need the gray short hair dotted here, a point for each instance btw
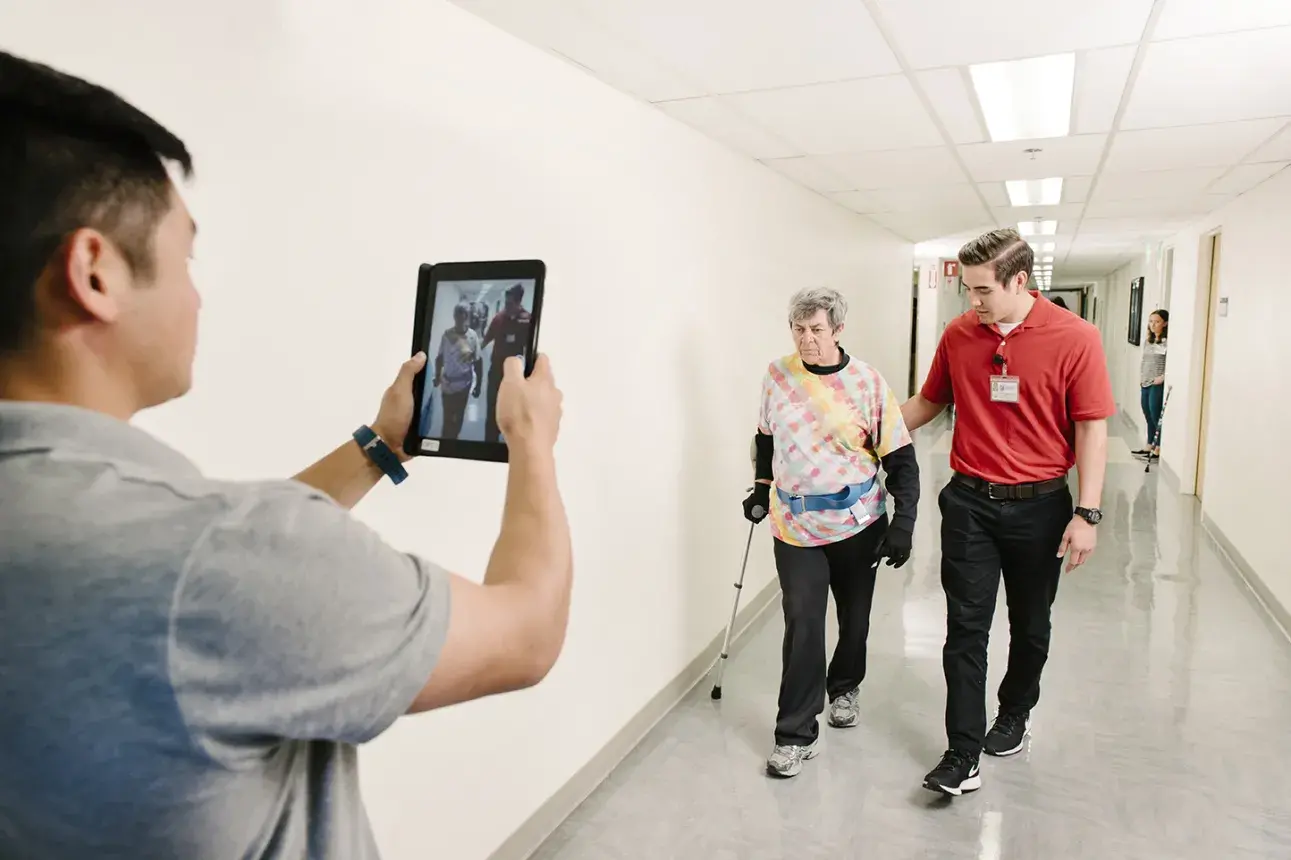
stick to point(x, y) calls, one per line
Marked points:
point(805, 303)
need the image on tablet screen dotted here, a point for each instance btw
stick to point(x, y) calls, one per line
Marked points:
point(474, 326)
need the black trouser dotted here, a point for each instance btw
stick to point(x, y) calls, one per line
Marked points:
point(491, 432)
point(807, 574)
point(980, 539)
point(454, 412)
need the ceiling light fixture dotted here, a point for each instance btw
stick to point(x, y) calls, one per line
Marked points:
point(1035, 192)
point(1038, 227)
point(1026, 99)
point(1046, 260)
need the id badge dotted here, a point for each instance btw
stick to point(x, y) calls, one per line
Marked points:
point(1004, 389)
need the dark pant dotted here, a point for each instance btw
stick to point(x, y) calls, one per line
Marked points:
point(1153, 400)
point(807, 574)
point(491, 432)
point(454, 412)
point(980, 539)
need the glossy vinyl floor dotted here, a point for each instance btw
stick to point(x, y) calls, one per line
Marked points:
point(1163, 730)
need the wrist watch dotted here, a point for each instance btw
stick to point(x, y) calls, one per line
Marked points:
point(379, 452)
point(1093, 516)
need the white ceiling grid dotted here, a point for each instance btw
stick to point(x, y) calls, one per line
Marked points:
point(1179, 105)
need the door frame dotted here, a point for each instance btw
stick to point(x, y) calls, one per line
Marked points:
point(1208, 276)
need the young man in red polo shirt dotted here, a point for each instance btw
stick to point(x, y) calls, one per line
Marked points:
point(1032, 397)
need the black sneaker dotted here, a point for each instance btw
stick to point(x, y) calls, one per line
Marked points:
point(957, 773)
point(1008, 734)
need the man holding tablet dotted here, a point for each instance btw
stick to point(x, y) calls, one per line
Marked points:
point(189, 664)
point(827, 423)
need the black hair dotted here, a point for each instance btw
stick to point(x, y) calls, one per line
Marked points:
point(1165, 326)
point(1060, 302)
point(73, 155)
point(516, 292)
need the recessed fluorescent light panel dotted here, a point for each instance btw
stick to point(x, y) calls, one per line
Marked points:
point(1046, 260)
point(1037, 192)
point(1038, 228)
point(1026, 99)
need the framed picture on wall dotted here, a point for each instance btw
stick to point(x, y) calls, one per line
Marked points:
point(1136, 311)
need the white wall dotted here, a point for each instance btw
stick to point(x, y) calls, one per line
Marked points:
point(1248, 467)
point(339, 145)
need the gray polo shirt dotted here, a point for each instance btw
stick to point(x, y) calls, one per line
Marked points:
point(187, 665)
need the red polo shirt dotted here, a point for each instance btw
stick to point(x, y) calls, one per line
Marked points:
point(1062, 375)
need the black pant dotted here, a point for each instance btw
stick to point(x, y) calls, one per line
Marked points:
point(980, 539)
point(454, 412)
point(807, 574)
point(491, 432)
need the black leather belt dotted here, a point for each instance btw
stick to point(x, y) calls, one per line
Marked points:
point(1010, 492)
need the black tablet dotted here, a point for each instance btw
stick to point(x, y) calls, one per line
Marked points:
point(470, 318)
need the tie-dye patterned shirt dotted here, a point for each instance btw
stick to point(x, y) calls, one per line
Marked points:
point(830, 431)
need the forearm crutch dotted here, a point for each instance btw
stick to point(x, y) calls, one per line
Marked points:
point(735, 608)
point(1156, 437)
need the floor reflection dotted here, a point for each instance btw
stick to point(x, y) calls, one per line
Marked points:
point(1161, 732)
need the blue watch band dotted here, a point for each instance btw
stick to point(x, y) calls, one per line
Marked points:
point(379, 452)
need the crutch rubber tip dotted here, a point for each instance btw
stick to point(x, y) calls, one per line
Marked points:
point(717, 692)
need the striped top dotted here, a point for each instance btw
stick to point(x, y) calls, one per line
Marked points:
point(1153, 363)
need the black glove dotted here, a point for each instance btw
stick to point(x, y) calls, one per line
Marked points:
point(758, 503)
point(896, 545)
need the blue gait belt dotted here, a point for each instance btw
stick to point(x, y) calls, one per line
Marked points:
point(839, 501)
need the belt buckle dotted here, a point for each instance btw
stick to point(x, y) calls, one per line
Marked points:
point(990, 492)
point(796, 504)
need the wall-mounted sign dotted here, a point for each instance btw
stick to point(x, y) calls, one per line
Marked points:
point(950, 268)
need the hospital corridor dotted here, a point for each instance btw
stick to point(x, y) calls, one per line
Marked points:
point(1161, 732)
point(645, 430)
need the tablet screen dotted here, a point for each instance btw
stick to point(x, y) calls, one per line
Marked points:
point(474, 326)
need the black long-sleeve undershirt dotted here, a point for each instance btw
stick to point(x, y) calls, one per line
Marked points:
point(902, 483)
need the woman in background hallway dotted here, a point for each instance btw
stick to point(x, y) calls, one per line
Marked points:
point(1152, 381)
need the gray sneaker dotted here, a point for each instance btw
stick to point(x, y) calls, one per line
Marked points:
point(845, 710)
point(786, 760)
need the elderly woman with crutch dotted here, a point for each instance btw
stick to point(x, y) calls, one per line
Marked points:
point(828, 422)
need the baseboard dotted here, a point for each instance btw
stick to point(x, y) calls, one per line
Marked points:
point(1171, 478)
point(530, 835)
point(1279, 613)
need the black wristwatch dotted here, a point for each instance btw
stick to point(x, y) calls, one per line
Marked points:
point(1093, 516)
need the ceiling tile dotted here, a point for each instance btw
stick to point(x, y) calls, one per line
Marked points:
point(1062, 156)
point(960, 199)
point(899, 168)
point(1277, 149)
point(1216, 79)
point(809, 171)
point(852, 116)
point(739, 45)
point(1218, 145)
point(1154, 183)
point(953, 99)
point(1063, 213)
point(996, 194)
point(921, 228)
point(1244, 177)
point(718, 120)
point(1076, 188)
point(1156, 207)
point(559, 26)
point(1124, 232)
point(1100, 82)
point(936, 33)
point(1183, 18)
